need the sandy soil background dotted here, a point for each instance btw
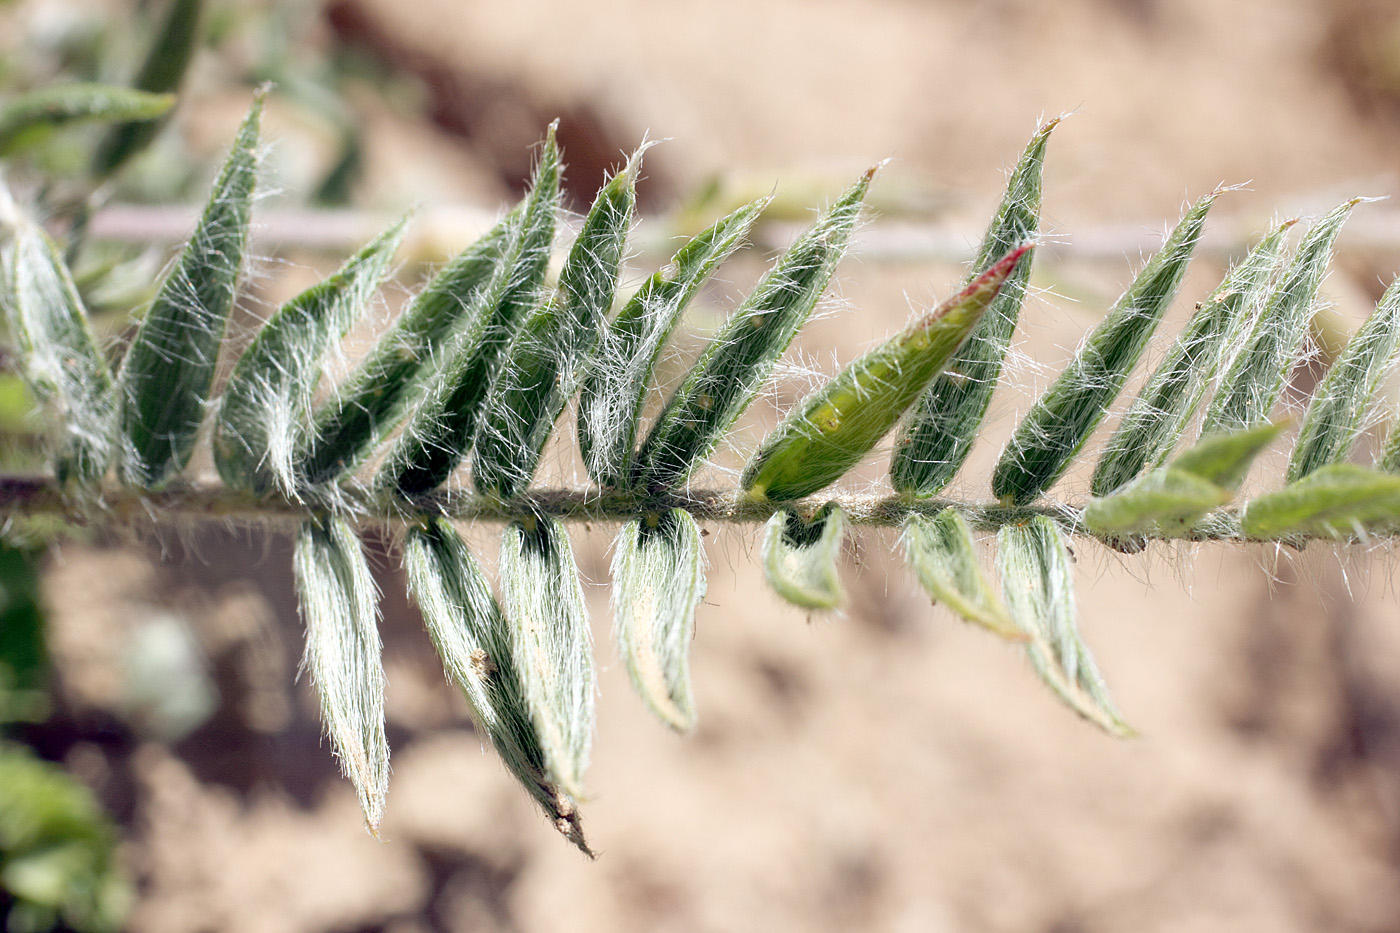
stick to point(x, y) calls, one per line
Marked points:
point(885, 768)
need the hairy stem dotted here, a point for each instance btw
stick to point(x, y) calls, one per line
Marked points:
point(123, 508)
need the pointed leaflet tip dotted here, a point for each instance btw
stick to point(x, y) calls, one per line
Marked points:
point(1225, 458)
point(1255, 378)
point(839, 423)
point(1333, 422)
point(442, 429)
point(449, 338)
point(1170, 397)
point(266, 403)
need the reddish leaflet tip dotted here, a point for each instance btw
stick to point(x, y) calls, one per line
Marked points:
point(994, 275)
point(991, 280)
point(1003, 266)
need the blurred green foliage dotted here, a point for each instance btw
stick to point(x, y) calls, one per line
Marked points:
point(57, 861)
point(58, 865)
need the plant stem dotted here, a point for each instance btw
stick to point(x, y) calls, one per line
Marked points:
point(26, 498)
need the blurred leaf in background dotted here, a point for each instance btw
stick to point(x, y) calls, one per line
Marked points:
point(58, 867)
point(57, 860)
point(23, 657)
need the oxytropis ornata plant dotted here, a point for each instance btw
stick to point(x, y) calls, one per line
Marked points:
point(485, 359)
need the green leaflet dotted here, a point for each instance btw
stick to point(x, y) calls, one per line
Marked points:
point(1058, 425)
point(29, 118)
point(1333, 421)
point(1159, 414)
point(800, 556)
point(1340, 500)
point(62, 866)
point(839, 423)
point(728, 374)
point(1038, 584)
point(610, 401)
point(374, 397)
point(941, 552)
point(443, 427)
point(475, 644)
point(658, 579)
point(1224, 459)
point(60, 360)
point(475, 304)
point(1164, 501)
point(25, 662)
point(552, 646)
point(1170, 500)
point(339, 606)
point(166, 376)
point(1255, 378)
point(267, 400)
point(161, 73)
point(550, 355)
point(939, 433)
